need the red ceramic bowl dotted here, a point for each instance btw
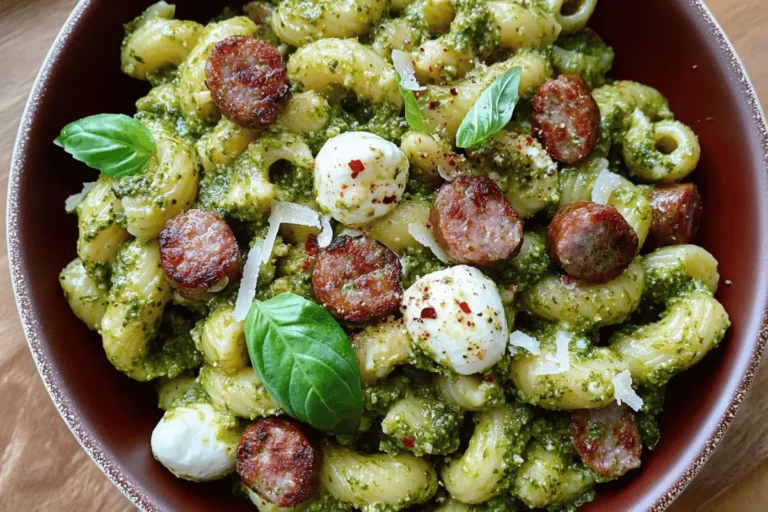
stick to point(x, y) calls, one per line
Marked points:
point(674, 45)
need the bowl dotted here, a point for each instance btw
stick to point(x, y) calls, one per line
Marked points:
point(673, 45)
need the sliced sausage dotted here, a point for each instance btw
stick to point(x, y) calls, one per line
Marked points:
point(676, 214)
point(358, 279)
point(591, 242)
point(248, 80)
point(474, 223)
point(199, 253)
point(607, 439)
point(279, 461)
point(566, 118)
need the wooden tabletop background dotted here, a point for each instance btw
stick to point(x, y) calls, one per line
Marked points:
point(43, 468)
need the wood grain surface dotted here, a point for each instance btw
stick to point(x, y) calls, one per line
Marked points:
point(43, 468)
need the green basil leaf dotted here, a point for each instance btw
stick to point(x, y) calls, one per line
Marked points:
point(492, 111)
point(305, 361)
point(115, 144)
point(413, 115)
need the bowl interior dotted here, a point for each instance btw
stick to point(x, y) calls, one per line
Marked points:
point(670, 45)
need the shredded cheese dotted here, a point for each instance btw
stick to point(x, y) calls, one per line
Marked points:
point(518, 339)
point(560, 362)
point(404, 67)
point(606, 184)
point(325, 237)
point(72, 201)
point(623, 392)
point(425, 237)
point(247, 291)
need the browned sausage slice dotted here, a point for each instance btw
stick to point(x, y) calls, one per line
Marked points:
point(199, 253)
point(474, 223)
point(591, 242)
point(676, 214)
point(566, 118)
point(358, 279)
point(607, 439)
point(248, 80)
point(279, 461)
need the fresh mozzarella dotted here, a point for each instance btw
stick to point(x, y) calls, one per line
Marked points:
point(196, 442)
point(359, 177)
point(456, 317)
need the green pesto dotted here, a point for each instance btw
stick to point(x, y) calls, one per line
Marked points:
point(583, 54)
point(172, 351)
point(436, 432)
point(619, 100)
point(418, 261)
point(324, 501)
point(525, 269)
point(662, 283)
point(647, 418)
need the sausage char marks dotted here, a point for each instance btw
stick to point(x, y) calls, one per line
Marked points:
point(474, 223)
point(248, 80)
point(591, 242)
point(199, 253)
point(676, 214)
point(358, 279)
point(279, 461)
point(607, 439)
point(566, 118)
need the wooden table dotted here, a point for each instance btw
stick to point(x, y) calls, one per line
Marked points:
point(41, 465)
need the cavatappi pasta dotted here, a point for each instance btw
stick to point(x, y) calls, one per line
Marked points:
point(497, 352)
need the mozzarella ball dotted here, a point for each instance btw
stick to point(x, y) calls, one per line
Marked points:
point(196, 442)
point(359, 177)
point(456, 317)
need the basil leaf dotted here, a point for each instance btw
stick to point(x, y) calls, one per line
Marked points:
point(305, 361)
point(492, 111)
point(115, 144)
point(413, 115)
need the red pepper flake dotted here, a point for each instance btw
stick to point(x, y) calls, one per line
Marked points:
point(488, 378)
point(445, 50)
point(311, 246)
point(529, 140)
point(465, 307)
point(430, 69)
point(432, 105)
point(428, 314)
point(454, 92)
point(408, 442)
point(567, 280)
point(357, 167)
point(389, 199)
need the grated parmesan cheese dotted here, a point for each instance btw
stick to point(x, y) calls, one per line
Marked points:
point(623, 392)
point(606, 184)
point(561, 361)
point(425, 237)
point(518, 339)
point(72, 201)
point(404, 66)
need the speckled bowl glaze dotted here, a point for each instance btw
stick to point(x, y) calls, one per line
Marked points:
point(674, 45)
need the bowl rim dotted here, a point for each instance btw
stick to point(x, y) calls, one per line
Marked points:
point(113, 469)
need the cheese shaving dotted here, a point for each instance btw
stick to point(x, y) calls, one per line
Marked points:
point(72, 201)
point(606, 184)
point(623, 392)
point(445, 174)
point(286, 213)
point(325, 237)
point(354, 233)
point(404, 67)
point(560, 362)
point(518, 339)
point(425, 237)
point(247, 291)
point(282, 213)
